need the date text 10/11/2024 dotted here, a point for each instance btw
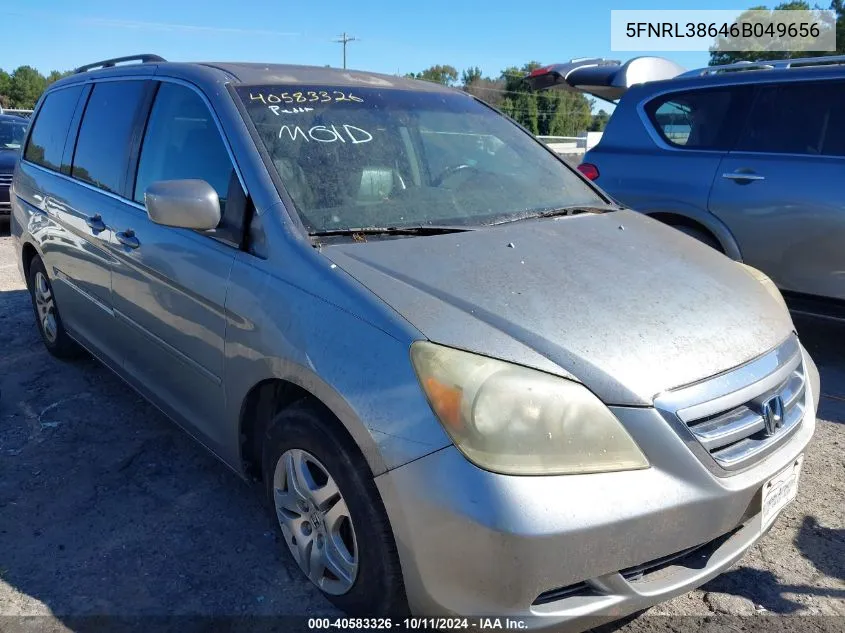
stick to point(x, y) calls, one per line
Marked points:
point(420, 623)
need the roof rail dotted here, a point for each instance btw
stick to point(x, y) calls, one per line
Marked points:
point(109, 63)
point(774, 64)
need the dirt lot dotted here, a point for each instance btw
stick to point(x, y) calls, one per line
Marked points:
point(106, 508)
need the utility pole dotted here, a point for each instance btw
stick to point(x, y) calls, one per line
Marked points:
point(345, 39)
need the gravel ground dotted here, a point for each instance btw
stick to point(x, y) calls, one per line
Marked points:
point(107, 508)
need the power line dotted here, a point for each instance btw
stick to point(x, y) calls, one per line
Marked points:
point(344, 40)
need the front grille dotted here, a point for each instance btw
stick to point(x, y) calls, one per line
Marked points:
point(739, 417)
point(5, 179)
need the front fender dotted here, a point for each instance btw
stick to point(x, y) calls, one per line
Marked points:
point(358, 371)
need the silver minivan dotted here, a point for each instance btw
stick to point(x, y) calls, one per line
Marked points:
point(470, 383)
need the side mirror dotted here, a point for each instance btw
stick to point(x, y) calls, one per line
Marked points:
point(187, 204)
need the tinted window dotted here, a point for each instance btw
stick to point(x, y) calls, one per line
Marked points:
point(798, 118)
point(49, 133)
point(376, 157)
point(102, 149)
point(182, 141)
point(700, 119)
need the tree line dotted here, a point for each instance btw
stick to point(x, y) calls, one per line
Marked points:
point(21, 88)
point(546, 112)
point(837, 6)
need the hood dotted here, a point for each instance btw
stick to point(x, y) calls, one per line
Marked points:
point(618, 301)
point(7, 160)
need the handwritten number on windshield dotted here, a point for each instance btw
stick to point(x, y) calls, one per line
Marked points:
point(323, 96)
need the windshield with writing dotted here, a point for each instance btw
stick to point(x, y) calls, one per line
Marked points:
point(371, 157)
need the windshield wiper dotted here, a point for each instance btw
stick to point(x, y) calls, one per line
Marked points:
point(392, 230)
point(558, 211)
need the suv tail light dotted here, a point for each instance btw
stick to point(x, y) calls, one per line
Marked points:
point(590, 171)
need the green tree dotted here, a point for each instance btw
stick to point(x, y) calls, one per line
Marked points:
point(599, 121)
point(839, 7)
point(470, 76)
point(526, 111)
point(25, 86)
point(55, 75)
point(752, 49)
point(442, 74)
point(5, 84)
point(572, 114)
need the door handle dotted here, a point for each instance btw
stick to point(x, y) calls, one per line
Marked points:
point(127, 238)
point(95, 222)
point(738, 175)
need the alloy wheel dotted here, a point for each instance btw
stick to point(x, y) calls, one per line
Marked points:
point(315, 521)
point(46, 307)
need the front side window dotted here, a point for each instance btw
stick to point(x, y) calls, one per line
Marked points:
point(372, 157)
point(105, 136)
point(182, 142)
point(49, 133)
point(797, 118)
point(12, 133)
point(700, 119)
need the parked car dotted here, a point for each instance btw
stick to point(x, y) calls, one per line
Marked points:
point(469, 382)
point(12, 132)
point(748, 158)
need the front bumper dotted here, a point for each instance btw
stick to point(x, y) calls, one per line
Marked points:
point(574, 551)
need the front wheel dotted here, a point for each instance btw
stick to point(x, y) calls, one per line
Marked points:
point(330, 513)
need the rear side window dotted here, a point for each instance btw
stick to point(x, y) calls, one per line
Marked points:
point(105, 137)
point(797, 118)
point(700, 119)
point(49, 132)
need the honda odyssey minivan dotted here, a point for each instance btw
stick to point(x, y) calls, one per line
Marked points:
point(470, 383)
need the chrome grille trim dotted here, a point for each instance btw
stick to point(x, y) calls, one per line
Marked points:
point(721, 418)
point(5, 179)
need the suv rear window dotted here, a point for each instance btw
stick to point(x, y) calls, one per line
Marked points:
point(797, 118)
point(49, 132)
point(700, 119)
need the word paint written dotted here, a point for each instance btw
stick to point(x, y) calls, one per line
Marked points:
point(326, 134)
point(309, 96)
point(279, 110)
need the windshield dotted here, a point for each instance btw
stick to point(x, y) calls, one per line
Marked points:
point(371, 157)
point(11, 133)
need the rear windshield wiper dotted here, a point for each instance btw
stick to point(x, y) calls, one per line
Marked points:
point(391, 230)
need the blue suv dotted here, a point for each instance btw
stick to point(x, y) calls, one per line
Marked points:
point(748, 158)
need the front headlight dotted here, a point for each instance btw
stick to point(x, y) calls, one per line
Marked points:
point(514, 420)
point(768, 284)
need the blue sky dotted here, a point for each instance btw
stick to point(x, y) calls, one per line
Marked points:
point(395, 35)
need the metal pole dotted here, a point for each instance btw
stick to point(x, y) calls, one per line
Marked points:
point(344, 40)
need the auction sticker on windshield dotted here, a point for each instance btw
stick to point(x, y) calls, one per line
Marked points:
point(779, 491)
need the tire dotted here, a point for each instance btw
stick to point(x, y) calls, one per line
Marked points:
point(701, 236)
point(301, 436)
point(47, 318)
